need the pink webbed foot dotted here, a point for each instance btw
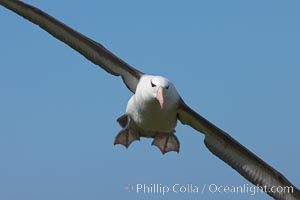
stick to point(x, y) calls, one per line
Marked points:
point(127, 135)
point(166, 142)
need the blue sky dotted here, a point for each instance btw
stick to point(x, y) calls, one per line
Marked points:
point(235, 62)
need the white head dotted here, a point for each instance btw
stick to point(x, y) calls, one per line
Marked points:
point(157, 89)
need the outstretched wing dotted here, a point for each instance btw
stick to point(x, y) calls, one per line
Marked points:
point(238, 157)
point(92, 50)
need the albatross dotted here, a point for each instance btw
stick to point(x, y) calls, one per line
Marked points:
point(155, 107)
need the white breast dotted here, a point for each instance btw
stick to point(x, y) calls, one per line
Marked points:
point(149, 117)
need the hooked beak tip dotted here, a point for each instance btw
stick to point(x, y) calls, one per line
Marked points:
point(161, 105)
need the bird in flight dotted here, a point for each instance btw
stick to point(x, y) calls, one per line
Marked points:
point(156, 106)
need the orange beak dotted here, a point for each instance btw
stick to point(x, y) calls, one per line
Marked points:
point(160, 97)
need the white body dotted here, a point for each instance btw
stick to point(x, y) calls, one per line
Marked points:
point(144, 109)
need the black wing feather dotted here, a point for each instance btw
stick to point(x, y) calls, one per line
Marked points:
point(237, 156)
point(90, 49)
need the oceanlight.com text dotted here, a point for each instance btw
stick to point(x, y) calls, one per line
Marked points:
point(164, 189)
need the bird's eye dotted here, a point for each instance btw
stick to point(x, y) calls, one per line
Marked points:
point(167, 87)
point(152, 84)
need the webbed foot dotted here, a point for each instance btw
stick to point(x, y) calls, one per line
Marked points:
point(127, 135)
point(166, 142)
